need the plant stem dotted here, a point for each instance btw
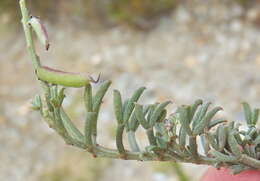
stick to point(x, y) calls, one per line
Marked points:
point(28, 35)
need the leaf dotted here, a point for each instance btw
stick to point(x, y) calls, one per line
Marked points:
point(195, 106)
point(140, 116)
point(216, 122)
point(255, 116)
point(157, 112)
point(234, 146)
point(199, 115)
point(36, 103)
point(90, 119)
point(119, 138)
point(222, 137)
point(204, 123)
point(130, 105)
point(182, 137)
point(184, 120)
point(99, 95)
point(248, 112)
point(70, 127)
point(118, 108)
point(132, 141)
point(222, 157)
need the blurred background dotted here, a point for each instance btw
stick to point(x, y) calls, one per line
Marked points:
point(180, 50)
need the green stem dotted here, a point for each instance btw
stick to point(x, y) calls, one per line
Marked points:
point(28, 35)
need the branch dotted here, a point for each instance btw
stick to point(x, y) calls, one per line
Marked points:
point(171, 137)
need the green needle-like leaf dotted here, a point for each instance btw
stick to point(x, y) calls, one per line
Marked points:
point(118, 108)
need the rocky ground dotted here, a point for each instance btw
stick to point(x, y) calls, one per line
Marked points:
point(208, 51)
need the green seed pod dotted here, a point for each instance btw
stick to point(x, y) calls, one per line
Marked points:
point(58, 77)
point(40, 31)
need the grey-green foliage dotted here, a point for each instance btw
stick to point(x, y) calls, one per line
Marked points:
point(171, 137)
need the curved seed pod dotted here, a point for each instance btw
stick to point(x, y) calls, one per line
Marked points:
point(88, 99)
point(222, 157)
point(255, 116)
point(58, 77)
point(40, 31)
point(140, 116)
point(119, 139)
point(184, 119)
point(216, 122)
point(118, 108)
point(130, 105)
point(248, 112)
point(70, 127)
point(204, 123)
point(157, 112)
point(234, 146)
point(222, 137)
